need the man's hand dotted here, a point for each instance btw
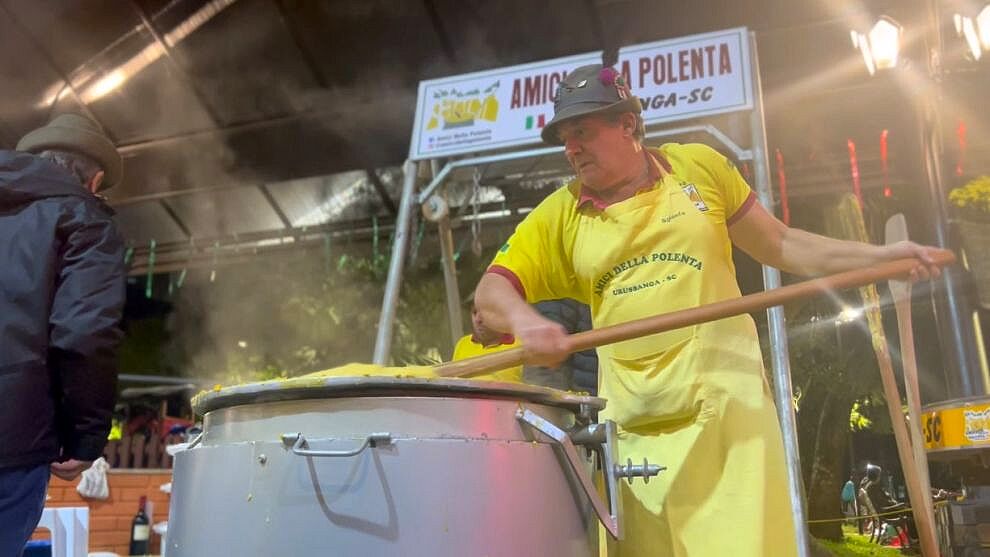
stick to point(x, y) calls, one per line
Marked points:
point(926, 269)
point(501, 307)
point(70, 469)
point(544, 342)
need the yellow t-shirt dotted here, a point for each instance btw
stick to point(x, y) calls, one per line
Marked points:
point(664, 249)
point(547, 260)
point(467, 348)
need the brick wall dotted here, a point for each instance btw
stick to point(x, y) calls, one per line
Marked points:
point(110, 520)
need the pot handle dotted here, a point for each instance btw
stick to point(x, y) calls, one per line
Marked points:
point(296, 442)
point(604, 436)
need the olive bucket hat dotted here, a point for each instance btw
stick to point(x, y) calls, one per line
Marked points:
point(593, 89)
point(77, 134)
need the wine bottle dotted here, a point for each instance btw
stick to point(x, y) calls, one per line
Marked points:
point(140, 530)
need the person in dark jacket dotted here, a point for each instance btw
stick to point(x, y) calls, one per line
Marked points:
point(579, 372)
point(885, 504)
point(62, 285)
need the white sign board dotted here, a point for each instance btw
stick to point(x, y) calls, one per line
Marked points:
point(688, 77)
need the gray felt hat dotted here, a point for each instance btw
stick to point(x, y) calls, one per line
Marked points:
point(77, 134)
point(593, 89)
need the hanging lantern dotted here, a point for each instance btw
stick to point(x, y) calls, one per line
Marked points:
point(883, 164)
point(149, 282)
point(880, 46)
point(961, 136)
point(975, 31)
point(854, 169)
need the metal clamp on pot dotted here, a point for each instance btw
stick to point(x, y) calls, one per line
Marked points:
point(601, 438)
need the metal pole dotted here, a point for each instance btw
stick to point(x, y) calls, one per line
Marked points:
point(383, 341)
point(964, 373)
point(450, 280)
point(779, 356)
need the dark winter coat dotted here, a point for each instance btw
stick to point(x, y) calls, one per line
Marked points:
point(580, 371)
point(62, 285)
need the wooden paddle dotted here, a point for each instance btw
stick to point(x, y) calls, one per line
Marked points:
point(896, 231)
point(675, 320)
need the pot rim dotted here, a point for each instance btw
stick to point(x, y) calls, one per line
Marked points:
point(301, 388)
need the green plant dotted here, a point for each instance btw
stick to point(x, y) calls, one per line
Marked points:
point(854, 544)
point(972, 201)
point(857, 420)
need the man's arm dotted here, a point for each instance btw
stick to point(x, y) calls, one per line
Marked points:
point(773, 243)
point(502, 308)
point(85, 333)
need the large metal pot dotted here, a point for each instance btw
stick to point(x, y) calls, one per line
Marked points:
point(394, 466)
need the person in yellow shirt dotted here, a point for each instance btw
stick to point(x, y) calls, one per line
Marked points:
point(487, 341)
point(646, 231)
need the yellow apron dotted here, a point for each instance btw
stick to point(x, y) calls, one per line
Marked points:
point(694, 400)
point(466, 348)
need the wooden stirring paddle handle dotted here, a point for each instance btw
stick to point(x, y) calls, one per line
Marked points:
point(594, 338)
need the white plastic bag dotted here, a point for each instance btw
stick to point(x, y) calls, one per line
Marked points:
point(94, 481)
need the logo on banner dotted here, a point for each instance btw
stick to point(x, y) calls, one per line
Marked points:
point(454, 109)
point(691, 191)
point(977, 425)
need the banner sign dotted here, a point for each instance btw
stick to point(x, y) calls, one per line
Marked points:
point(677, 79)
point(960, 427)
